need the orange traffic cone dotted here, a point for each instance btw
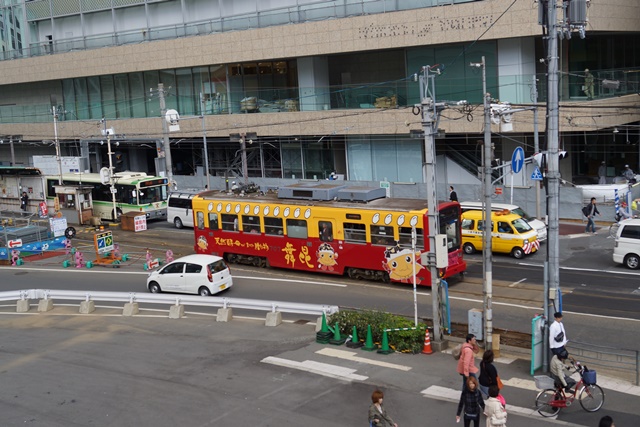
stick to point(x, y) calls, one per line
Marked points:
point(426, 349)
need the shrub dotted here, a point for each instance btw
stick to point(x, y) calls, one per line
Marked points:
point(410, 341)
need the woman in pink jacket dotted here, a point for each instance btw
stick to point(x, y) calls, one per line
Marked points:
point(466, 363)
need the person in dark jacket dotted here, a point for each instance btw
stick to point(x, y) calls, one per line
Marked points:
point(24, 201)
point(592, 211)
point(488, 372)
point(471, 401)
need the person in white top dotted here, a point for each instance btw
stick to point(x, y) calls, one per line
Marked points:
point(557, 335)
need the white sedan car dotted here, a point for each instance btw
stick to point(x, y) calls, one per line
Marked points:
point(193, 274)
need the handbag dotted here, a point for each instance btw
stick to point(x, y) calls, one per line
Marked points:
point(499, 382)
point(495, 421)
point(559, 337)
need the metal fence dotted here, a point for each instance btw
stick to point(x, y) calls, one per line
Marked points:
point(617, 361)
point(171, 299)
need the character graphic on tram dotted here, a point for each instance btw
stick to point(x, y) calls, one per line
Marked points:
point(399, 264)
point(326, 257)
point(202, 243)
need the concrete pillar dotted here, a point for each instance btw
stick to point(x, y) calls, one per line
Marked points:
point(495, 345)
point(176, 311)
point(45, 305)
point(274, 318)
point(224, 315)
point(319, 324)
point(130, 309)
point(87, 307)
point(23, 305)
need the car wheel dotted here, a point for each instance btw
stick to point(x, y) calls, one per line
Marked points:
point(154, 288)
point(517, 253)
point(468, 248)
point(632, 261)
point(204, 292)
point(177, 222)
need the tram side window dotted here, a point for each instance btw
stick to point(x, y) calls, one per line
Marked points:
point(251, 224)
point(200, 220)
point(382, 235)
point(213, 221)
point(325, 231)
point(229, 222)
point(354, 233)
point(405, 236)
point(297, 228)
point(273, 226)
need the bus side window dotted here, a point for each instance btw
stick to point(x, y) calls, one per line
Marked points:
point(297, 228)
point(229, 222)
point(354, 232)
point(382, 235)
point(200, 218)
point(405, 236)
point(213, 221)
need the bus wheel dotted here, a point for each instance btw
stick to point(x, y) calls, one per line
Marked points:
point(386, 278)
point(117, 216)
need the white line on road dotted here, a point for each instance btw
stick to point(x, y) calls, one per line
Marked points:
point(518, 282)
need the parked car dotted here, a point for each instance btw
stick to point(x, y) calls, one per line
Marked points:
point(537, 225)
point(626, 249)
point(510, 234)
point(193, 274)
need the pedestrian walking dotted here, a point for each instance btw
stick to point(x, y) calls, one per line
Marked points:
point(602, 173)
point(493, 409)
point(557, 335)
point(453, 196)
point(606, 421)
point(378, 416)
point(24, 201)
point(629, 175)
point(488, 373)
point(471, 401)
point(466, 363)
point(590, 211)
point(588, 84)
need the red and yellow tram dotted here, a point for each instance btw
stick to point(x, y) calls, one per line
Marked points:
point(370, 239)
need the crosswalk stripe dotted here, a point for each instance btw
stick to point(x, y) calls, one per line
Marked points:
point(319, 368)
point(349, 355)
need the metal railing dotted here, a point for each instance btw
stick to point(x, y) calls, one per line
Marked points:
point(171, 299)
point(617, 361)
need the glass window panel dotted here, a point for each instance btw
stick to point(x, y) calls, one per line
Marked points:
point(123, 107)
point(95, 100)
point(138, 95)
point(151, 80)
point(68, 93)
point(229, 222)
point(291, 160)
point(184, 90)
point(297, 228)
point(251, 224)
point(82, 98)
point(384, 158)
point(405, 237)
point(382, 235)
point(354, 233)
point(213, 221)
point(220, 97)
point(409, 159)
point(168, 78)
point(273, 226)
point(359, 155)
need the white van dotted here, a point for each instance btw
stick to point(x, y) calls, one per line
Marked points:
point(627, 247)
point(179, 209)
point(537, 225)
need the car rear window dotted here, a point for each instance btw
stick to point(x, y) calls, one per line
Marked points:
point(631, 231)
point(217, 266)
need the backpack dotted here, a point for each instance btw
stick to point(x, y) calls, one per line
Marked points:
point(586, 210)
point(457, 351)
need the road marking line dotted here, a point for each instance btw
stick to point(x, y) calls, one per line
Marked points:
point(319, 368)
point(517, 283)
point(348, 355)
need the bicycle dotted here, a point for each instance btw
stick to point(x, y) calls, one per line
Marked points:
point(553, 396)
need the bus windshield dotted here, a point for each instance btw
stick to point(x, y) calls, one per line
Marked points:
point(152, 194)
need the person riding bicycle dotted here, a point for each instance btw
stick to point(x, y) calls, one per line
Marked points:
point(557, 370)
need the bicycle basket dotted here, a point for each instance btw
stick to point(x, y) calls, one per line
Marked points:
point(589, 377)
point(543, 382)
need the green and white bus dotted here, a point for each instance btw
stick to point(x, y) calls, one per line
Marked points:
point(135, 192)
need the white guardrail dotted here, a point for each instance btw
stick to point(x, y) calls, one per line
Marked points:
point(171, 299)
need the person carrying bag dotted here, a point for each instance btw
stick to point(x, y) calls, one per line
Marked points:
point(494, 411)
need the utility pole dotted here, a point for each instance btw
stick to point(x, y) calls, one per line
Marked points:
point(536, 139)
point(54, 111)
point(107, 132)
point(204, 141)
point(430, 117)
point(165, 134)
